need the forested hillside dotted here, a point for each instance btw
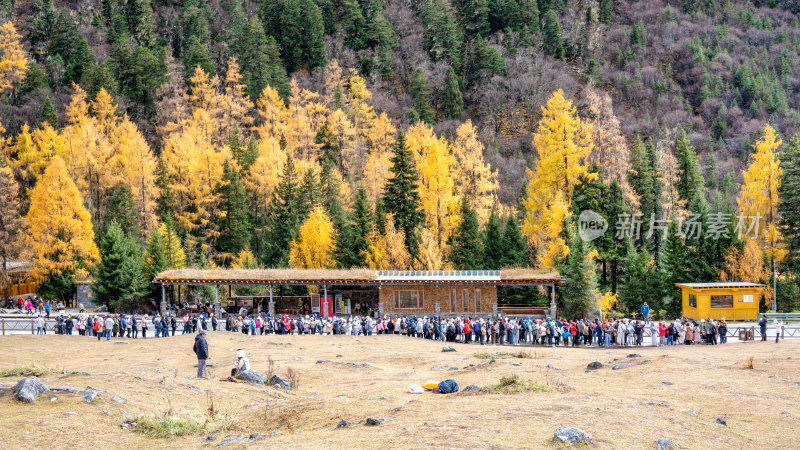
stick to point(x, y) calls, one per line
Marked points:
point(402, 133)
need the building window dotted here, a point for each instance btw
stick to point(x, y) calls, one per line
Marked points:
point(408, 299)
point(452, 300)
point(477, 300)
point(466, 300)
point(692, 301)
point(396, 299)
point(722, 301)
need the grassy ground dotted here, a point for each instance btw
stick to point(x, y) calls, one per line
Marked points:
point(154, 377)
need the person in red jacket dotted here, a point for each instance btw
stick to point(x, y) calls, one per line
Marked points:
point(467, 335)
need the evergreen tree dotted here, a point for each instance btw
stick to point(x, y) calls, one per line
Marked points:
point(165, 206)
point(580, 291)
point(690, 178)
point(453, 100)
point(401, 197)
point(444, 39)
point(284, 220)
point(309, 195)
point(155, 259)
point(351, 241)
point(196, 55)
point(638, 34)
point(640, 282)
point(299, 31)
point(475, 17)
point(233, 215)
point(672, 265)
point(515, 252)
point(421, 96)
point(484, 62)
point(551, 28)
point(353, 24)
point(529, 17)
point(606, 10)
point(789, 210)
point(49, 114)
point(466, 243)
point(260, 60)
point(493, 244)
point(119, 279)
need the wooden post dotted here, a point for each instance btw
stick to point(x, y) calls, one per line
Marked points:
point(3, 321)
point(32, 327)
point(163, 299)
point(216, 303)
point(325, 296)
point(271, 309)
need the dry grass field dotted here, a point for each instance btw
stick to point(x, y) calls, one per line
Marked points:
point(154, 376)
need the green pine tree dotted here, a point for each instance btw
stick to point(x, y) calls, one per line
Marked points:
point(475, 17)
point(401, 197)
point(580, 293)
point(466, 242)
point(789, 210)
point(165, 206)
point(49, 114)
point(453, 100)
point(515, 251)
point(196, 55)
point(309, 195)
point(551, 28)
point(493, 244)
point(298, 28)
point(115, 249)
point(690, 178)
point(260, 60)
point(672, 265)
point(421, 96)
point(233, 215)
point(640, 282)
point(284, 221)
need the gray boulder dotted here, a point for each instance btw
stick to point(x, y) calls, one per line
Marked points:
point(472, 388)
point(343, 424)
point(721, 421)
point(118, 399)
point(572, 436)
point(666, 444)
point(620, 366)
point(688, 411)
point(252, 376)
point(29, 389)
point(276, 379)
point(634, 355)
point(375, 420)
point(448, 348)
point(594, 365)
point(256, 435)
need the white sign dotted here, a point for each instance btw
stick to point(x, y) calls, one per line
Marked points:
point(747, 299)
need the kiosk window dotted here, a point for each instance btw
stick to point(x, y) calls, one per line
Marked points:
point(408, 299)
point(722, 301)
point(692, 301)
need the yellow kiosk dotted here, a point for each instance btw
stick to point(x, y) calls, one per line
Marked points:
point(732, 300)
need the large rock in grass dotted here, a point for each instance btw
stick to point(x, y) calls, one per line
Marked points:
point(29, 389)
point(572, 436)
point(448, 348)
point(252, 376)
point(276, 379)
point(594, 365)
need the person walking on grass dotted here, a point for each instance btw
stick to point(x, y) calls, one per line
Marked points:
point(39, 325)
point(201, 350)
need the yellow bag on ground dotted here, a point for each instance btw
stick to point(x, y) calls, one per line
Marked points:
point(430, 385)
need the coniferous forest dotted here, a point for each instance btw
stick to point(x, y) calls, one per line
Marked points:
point(142, 135)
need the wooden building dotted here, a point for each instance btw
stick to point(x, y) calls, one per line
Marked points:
point(731, 301)
point(395, 292)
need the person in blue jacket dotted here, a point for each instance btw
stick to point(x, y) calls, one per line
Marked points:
point(646, 312)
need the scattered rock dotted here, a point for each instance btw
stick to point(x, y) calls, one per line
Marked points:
point(122, 342)
point(211, 438)
point(658, 404)
point(232, 440)
point(256, 435)
point(721, 421)
point(472, 388)
point(127, 424)
point(666, 444)
point(594, 365)
point(634, 355)
point(250, 405)
point(343, 423)
point(379, 398)
point(70, 413)
point(118, 399)
point(688, 411)
point(620, 366)
point(356, 365)
point(252, 376)
point(126, 414)
point(666, 383)
point(516, 363)
point(75, 373)
point(549, 366)
point(89, 396)
point(277, 380)
point(28, 389)
point(448, 348)
point(275, 433)
point(297, 358)
point(571, 436)
point(375, 420)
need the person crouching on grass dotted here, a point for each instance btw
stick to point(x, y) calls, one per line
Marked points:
point(240, 364)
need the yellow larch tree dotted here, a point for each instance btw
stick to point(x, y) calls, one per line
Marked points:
point(436, 166)
point(174, 254)
point(60, 233)
point(342, 130)
point(564, 144)
point(13, 62)
point(334, 90)
point(378, 165)
point(273, 111)
point(136, 167)
point(304, 117)
point(667, 165)
point(475, 179)
point(204, 95)
point(431, 253)
point(758, 198)
point(235, 105)
point(360, 109)
point(261, 179)
point(313, 247)
point(104, 110)
point(748, 266)
point(387, 251)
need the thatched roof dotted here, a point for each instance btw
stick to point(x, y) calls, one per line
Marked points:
point(354, 277)
point(266, 276)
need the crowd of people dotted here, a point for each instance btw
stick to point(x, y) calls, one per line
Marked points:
point(482, 331)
